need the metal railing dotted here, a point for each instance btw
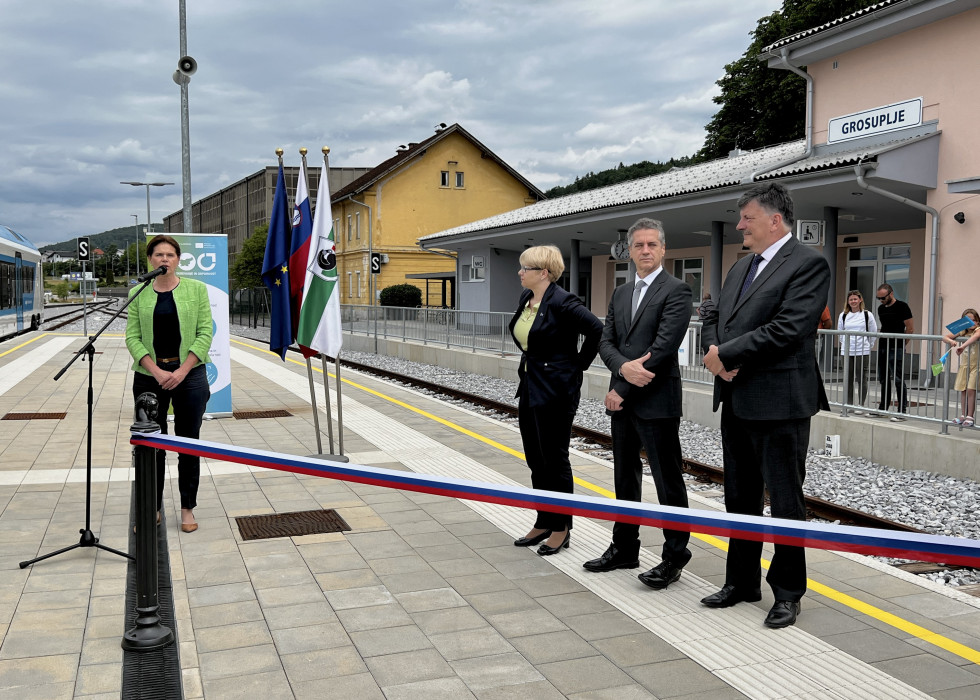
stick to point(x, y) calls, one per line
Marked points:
point(898, 380)
point(895, 378)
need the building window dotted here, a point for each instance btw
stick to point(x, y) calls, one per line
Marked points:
point(444, 178)
point(350, 281)
point(691, 270)
point(459, 179)
point(349, 227)
point(336, 228)
point(358, 284)
point(357, 228)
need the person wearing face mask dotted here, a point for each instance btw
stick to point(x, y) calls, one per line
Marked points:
point(168, 333)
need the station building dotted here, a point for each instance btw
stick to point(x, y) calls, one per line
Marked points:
point(236, 210)
point(446, 180)
point(885, 179)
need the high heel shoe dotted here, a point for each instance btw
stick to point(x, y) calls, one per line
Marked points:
point(546, 551)
point(528, 541)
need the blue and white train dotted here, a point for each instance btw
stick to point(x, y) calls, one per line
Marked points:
point(21, 284)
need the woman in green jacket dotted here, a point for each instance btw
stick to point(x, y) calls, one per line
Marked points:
point(168, 333)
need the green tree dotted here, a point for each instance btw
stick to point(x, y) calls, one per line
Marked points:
point(761, 106)
point(61, 289)
point(247, 270)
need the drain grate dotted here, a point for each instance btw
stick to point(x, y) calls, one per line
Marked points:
point(307, 522)
point(242, 415)
point(34, 416)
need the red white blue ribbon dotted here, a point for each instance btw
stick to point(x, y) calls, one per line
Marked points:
point(904, 545)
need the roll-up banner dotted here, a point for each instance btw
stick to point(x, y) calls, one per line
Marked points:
point(204, 257)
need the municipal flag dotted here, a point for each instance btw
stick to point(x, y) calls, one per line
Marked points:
point(319, 321)
point(275, 271)
point(960, 324)
point(937, 368)
point(299, 247)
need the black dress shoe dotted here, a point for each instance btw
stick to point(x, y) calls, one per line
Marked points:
point(729, 596)
point(528, 541)
point(661, 576)
point(613, 559)
point(783, 614)
point(546, 551)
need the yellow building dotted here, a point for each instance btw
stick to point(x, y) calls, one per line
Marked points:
point(447, 180)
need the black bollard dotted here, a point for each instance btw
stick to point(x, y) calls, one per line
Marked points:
point(149, 633)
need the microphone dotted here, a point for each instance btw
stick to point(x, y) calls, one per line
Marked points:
point(162, 270)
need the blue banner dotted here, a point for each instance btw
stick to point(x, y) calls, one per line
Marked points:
point(204, 257)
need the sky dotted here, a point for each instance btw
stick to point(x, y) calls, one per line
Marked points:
point(557, 88)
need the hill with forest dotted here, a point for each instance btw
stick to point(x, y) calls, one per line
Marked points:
point(119, 237)
point(621, 173)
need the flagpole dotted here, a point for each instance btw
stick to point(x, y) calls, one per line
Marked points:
point(325, 173)
point(309, 365)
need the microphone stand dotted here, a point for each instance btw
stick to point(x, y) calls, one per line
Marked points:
point(88, 538)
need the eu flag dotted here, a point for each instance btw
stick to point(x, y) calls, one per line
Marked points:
point(275, 270)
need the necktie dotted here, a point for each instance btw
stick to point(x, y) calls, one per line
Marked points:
point(753, 269)
point(637, 291)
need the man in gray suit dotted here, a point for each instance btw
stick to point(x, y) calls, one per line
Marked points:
point(759, 342)
point(645, 325)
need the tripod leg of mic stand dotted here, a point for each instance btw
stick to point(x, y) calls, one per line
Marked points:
point(87, 539)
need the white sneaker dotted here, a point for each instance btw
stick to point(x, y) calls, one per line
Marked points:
point(898, 419)
point(858, 413)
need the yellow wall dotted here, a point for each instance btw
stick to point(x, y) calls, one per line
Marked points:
point(410, 203)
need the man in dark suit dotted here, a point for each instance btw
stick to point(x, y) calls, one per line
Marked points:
point(645, 325)
point(759, 342)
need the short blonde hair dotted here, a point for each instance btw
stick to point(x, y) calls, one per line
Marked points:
point(547, 257)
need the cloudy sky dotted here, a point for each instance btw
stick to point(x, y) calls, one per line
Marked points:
point(555, 87)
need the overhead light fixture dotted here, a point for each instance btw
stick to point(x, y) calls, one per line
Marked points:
point(959, 217)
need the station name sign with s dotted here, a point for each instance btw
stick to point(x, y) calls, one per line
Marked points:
point(879, 120)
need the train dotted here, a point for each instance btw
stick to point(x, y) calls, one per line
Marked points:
point(21, 284)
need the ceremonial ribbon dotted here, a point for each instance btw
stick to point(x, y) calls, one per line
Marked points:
point(903, 545)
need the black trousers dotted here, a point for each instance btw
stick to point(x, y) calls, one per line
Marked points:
point(190, 399)
point(546, 432)
point(891, 368)
point(765, 455)
point(661, 439)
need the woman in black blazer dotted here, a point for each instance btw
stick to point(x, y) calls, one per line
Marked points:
point(546, 327)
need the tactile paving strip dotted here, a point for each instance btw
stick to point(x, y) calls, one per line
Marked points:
point(305, 522)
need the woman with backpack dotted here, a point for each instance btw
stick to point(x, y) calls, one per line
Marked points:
point(856, 349)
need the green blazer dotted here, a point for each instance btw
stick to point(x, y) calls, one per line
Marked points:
point(193, 311)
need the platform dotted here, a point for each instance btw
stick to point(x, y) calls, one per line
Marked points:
point(426, 597)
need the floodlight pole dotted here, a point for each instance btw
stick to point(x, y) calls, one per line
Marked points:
point(185, 129)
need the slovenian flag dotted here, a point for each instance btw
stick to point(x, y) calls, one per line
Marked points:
point(319, 321)
point(299, 248)
point(275, 271)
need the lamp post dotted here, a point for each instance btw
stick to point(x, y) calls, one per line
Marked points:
point(149, 228)
point(136, 225)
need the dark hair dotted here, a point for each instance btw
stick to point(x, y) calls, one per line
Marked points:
point(887, 287)
point(157, 240)
point(772, 197)
point(646, 224)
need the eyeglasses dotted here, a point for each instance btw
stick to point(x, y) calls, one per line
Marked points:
point(525, 268)
point(881, 298)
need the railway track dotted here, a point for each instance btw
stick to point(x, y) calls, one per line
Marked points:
point(75, 314)
point(817, 508)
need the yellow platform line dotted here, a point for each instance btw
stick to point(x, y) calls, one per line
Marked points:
point(926, 635)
